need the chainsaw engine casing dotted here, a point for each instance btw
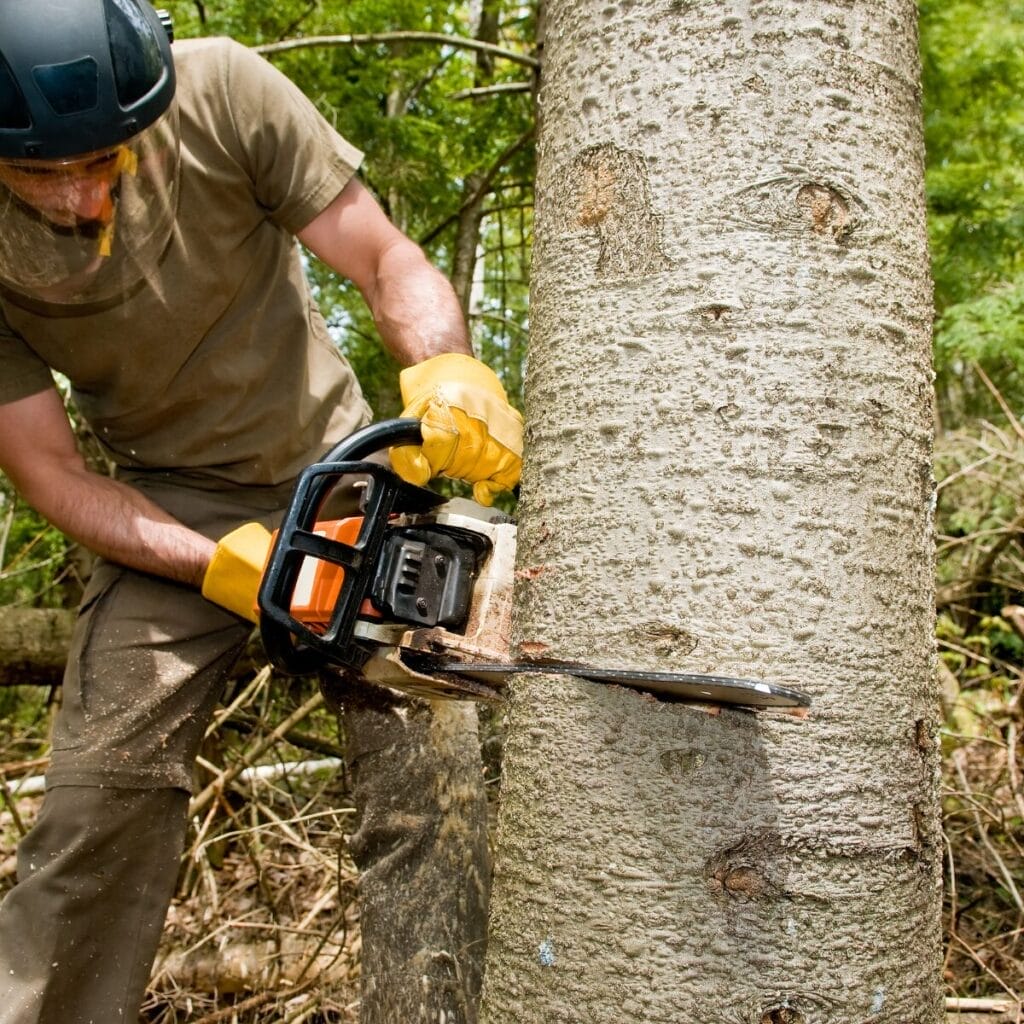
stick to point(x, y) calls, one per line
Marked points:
point(425, 574)
point(483, 634)
point(411, 578)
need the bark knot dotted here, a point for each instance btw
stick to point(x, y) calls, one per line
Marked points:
point(744, 871)
point(614, 198)
point(826, 209)
point(782, 1015)
point(664, 639)
point(678, 765)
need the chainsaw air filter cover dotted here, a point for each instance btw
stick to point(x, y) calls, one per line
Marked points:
point(425, 575)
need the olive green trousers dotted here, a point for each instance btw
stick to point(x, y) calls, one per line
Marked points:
point(80, 929)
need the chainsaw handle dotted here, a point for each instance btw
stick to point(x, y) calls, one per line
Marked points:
point(375, 438)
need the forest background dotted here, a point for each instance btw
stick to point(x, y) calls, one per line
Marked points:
point(440, 96)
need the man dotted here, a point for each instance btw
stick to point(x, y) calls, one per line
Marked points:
point(149, 207)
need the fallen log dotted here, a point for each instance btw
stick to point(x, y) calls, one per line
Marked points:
point(33, 645)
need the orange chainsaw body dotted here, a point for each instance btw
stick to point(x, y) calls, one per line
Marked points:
point(319, 583)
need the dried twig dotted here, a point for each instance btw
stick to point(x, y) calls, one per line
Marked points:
point(12, 807)
point(985, 967)
point(958, 1005)
point(434, 38)
point(1012, 769)
point(228, 775)
point(253, 1003)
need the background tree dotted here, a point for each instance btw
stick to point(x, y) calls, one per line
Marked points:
point(728, 469)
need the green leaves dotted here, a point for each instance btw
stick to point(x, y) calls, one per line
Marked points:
point(973, 73)
point(34, 562)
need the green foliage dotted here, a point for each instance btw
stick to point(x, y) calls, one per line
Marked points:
point(973, 72)
point(34, 563)
point(24, 721)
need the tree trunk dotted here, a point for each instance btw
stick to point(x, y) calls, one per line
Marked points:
point(728, 470)
point(421, 850)
point(471, 213)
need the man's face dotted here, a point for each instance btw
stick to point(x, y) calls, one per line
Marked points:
point(70, 194)
point(89, 228)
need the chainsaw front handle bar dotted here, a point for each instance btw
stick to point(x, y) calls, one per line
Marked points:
point(375, 438)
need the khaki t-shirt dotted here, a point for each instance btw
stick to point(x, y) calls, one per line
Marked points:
point(220, 370)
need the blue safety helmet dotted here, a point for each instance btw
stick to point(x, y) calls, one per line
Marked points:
point(89, 149)
point(77, 76)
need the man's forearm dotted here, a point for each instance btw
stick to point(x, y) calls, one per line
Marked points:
point(415, 309)
point(122, 525)
point(413, 304)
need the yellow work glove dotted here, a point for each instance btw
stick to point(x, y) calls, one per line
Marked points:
point(233, 576)
point(470, 432)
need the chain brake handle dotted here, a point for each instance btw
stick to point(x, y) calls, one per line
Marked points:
point(292, 646)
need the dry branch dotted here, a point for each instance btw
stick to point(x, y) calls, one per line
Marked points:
point(499, 89)
point(220, 783)
point(483, 185)
point(981, 1005)
point(387, 38)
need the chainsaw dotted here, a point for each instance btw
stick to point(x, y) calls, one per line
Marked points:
point(415, 593)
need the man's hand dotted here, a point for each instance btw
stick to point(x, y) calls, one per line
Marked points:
point(233, 576)
point(470, 432)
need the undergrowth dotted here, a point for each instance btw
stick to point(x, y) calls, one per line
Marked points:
point(980, 634)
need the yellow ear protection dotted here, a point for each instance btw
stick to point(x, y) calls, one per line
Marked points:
point(125, 162)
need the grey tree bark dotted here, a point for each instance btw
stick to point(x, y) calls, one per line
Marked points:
point(728, 470)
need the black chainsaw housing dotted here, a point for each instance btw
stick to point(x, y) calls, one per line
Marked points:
point(425, 574)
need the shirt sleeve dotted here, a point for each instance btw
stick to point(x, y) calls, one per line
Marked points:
point(22, 372)
point(297, 162)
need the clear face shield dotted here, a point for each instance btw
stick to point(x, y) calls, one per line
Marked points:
point(89, 229)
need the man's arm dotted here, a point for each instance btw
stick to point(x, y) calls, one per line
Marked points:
point(413, 305)
point(39, 455)
point(470, 432)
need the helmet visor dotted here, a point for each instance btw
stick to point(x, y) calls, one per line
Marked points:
point(91, 228)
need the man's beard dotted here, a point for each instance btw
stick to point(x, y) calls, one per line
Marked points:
point(83, 227)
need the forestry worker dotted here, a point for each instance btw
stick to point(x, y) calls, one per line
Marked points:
point(149, 207)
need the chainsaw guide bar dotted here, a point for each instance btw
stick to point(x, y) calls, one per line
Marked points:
point(681, 685)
